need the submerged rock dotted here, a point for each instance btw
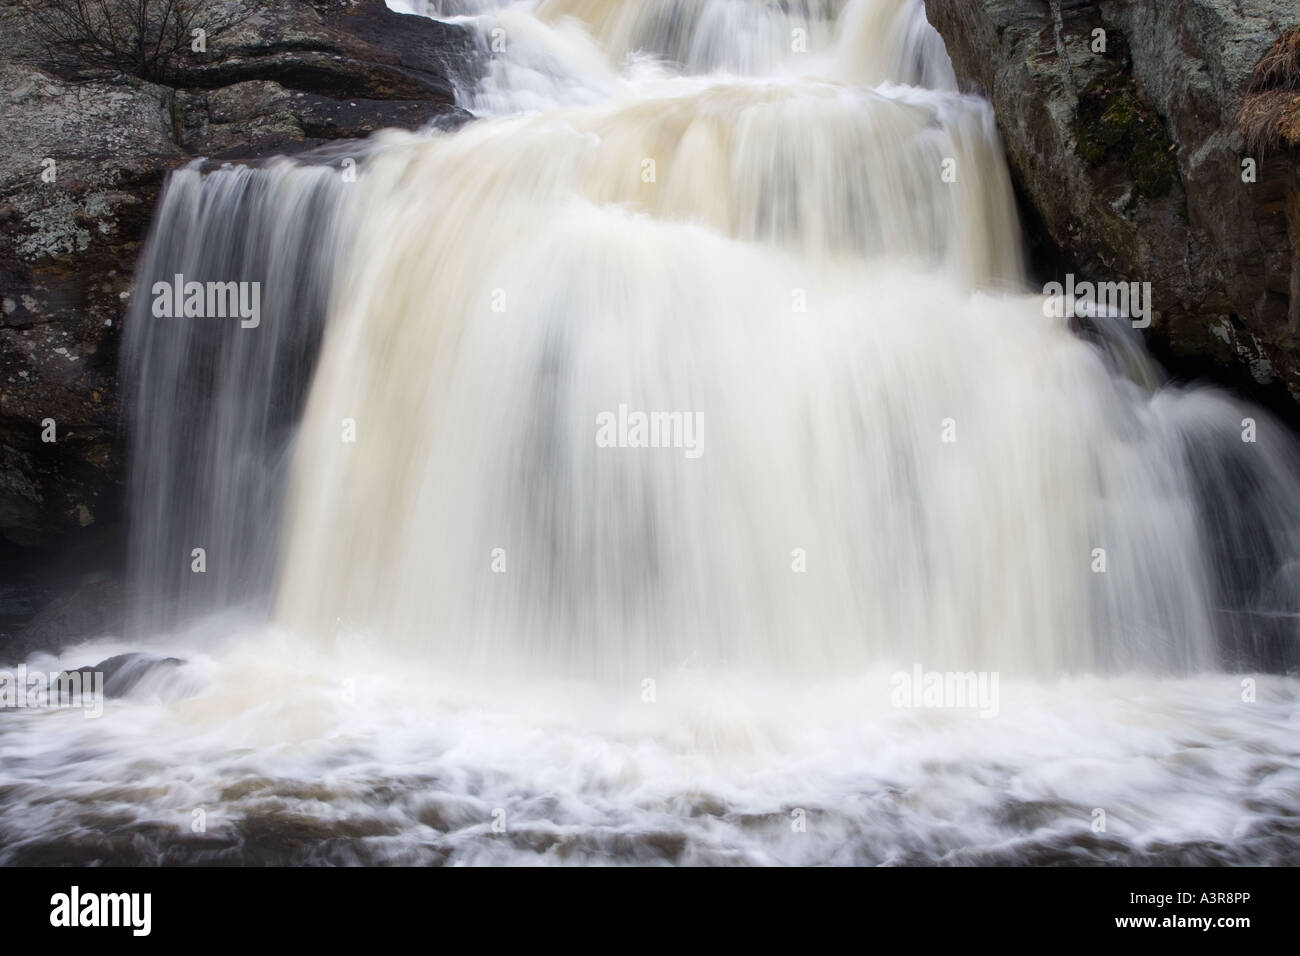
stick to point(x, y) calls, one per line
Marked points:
point(124, 671)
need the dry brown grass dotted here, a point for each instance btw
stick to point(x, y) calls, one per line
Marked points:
point(1280, 67)
point(1271, 119)
point(1270, 114)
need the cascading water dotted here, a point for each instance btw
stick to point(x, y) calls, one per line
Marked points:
point(781, 229)
point(215, 403)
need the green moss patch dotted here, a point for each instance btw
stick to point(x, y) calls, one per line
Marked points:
point(1114, 125)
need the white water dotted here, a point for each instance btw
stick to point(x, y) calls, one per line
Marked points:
point(404, 692)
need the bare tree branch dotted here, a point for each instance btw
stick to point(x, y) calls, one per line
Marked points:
point(142, 38)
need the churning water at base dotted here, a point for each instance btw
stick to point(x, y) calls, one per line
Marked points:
point(442, 620)
point(416, 767)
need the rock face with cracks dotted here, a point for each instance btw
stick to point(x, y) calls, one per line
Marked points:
point(1157, 141)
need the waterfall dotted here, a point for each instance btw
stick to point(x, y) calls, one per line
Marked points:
point(601, 465)
point(963, 479)
point(782, 221)
point(211, 403)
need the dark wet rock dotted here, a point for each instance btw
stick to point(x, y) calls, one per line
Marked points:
point(50, 600)
point(93, 608)
point(1129, 161)
point(338, 50)
point(260, 117)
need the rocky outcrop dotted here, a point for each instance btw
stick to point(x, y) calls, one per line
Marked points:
point(83, 163)
point(1123, 122)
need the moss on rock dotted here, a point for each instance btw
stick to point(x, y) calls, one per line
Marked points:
point(1113, 124)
